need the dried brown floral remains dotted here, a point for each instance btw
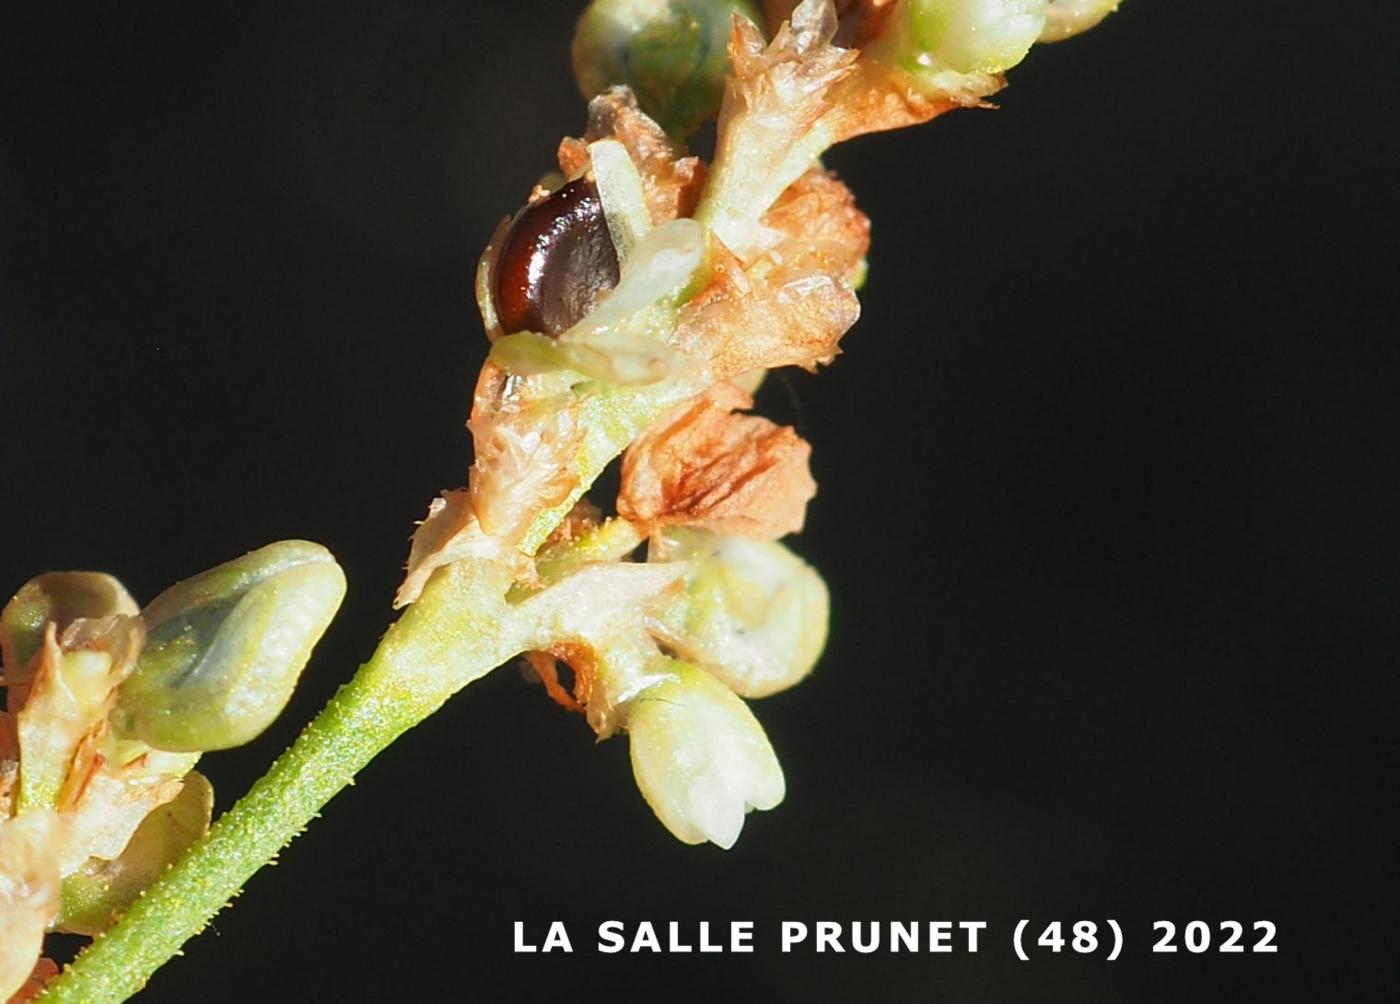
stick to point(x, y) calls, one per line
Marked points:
point(704, 465)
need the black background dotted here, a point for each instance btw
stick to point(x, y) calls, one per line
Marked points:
point(1101, 497)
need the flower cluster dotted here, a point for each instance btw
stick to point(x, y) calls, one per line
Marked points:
point(633, 305)
point(107, 709)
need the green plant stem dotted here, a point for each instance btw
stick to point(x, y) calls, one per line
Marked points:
point(457, 632)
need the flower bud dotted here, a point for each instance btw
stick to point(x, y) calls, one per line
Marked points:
point(224, 648)
point(752, 612)
point(672, 53)
point(700, 757)
point(100, 891)
point(61, 597)
point(974, 36)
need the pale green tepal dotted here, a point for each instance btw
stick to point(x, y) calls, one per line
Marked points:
point(61, 598)
point(224, 649)
point(969, 36)
point(100, 891)
point(700, 757)
point(752, 613)
point(672, 53)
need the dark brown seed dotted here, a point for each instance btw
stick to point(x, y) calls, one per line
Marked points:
point(557, 259)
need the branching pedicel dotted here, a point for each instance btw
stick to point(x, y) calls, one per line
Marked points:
point(633, 306)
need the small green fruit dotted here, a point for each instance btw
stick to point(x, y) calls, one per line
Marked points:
point(672, 53)
point(225, 648)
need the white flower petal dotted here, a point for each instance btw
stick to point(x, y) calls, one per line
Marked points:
point(752, 612)
point(700, 757)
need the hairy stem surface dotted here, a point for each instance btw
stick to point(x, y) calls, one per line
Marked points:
point(454, 634)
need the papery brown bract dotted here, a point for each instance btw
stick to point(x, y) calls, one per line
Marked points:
point(112, 802)
point(68, 701)
point(449, 518)
point(792, 314)
point(671, 183)
point(67, 749)
point(881, 94)
point(703, 465)
point(793, 302)
point(525, 443)
point(450, 532)
point(816, 217)
point(857, 20)
point(775, 119)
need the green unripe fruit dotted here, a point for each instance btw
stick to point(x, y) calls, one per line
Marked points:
point(61, 597)
point(974, 36)
point(224, 648)
point(672, 53)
